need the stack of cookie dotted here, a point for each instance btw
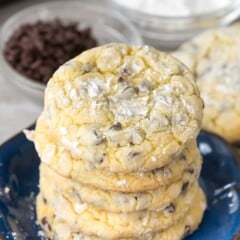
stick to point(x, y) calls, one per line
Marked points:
point(117, 140)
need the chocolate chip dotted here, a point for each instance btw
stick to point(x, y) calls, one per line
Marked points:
point(37, 49)
point(100, 141)
point(86, 68)
point(49, 227)
point(133, 154)
point(116, 127)
point(184, 187)
point(44, 200)
point(187, 231)
point(121, 80)
point(136, 90)
point(125, 72)
point(136, 198)
point(170, 208)
point(190, 170)
point(157, 170)
point(183, 156)
point(100, 161)
point(44, 221)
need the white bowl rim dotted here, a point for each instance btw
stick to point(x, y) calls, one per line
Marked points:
point(38, 86)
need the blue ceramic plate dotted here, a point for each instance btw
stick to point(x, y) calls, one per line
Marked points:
point(220, 179)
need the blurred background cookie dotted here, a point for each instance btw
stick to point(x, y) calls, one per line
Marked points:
point(214, 58)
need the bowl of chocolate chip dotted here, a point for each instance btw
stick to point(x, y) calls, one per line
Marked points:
point(37, 40)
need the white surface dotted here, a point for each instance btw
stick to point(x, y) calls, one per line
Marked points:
point(175, 7)
point(16, 111)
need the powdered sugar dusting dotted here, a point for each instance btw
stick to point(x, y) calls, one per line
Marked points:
point(122, 183)
point(79, 208)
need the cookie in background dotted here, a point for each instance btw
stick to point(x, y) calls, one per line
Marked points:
point(214, 59)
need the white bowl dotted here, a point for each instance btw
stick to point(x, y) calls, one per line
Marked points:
point(168, 32)
point(106, 24)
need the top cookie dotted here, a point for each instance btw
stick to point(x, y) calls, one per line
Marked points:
point(214, 58)
point(135, 105)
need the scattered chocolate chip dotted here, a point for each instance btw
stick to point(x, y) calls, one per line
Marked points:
point(121, 80)
point(44, 221)
point(133, 154)
point(37, 49)
point(185, 186)
point(100, 160)
point(125, 72)
point(49, 227)
point(116, 127)
point(170, 208)
point(183, 156)
point(141, 217)
point(157, 170)
point(187, 231)
point(95, 133)
point(100, 141)
point(136, 90)
point(136, 198)
point(44, 200)
point(190, 170)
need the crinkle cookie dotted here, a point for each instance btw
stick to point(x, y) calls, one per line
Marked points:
point(58, 229)
point(118, 201)
point(214, 58)
point(90, 220)
point(139, 181)
point(137, 105)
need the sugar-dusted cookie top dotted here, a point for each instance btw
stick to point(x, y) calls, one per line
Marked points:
point(133, 108)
